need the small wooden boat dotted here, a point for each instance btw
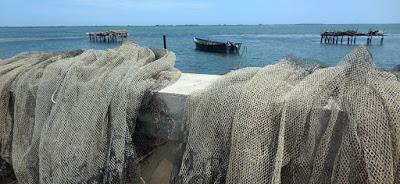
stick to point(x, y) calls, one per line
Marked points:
point(220, 47)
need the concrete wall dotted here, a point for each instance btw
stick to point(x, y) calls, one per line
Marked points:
point(159, 136)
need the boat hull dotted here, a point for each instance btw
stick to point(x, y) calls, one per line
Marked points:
point(218, 47)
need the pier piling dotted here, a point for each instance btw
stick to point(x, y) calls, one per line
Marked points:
point(333, 37)
point(108, 36)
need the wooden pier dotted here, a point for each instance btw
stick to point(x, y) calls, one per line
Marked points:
point(350, 37)
point(108, 36)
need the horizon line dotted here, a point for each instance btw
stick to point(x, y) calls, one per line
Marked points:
point(160, 25)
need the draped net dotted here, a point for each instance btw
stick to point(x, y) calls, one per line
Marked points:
point(70, 117)
point(296, 123)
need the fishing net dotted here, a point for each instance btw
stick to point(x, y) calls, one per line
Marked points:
point(70, 119)
point(23, 68)
point(291, 123)
point(10, 70)
point(397, 71)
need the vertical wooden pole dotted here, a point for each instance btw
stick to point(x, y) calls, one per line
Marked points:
point(165, 41)
point(370, 41)
point(382, 40)
point(321, 38)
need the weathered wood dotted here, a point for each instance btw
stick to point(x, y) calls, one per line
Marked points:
point(165, 41)
point(108, 36)
point(333, 37)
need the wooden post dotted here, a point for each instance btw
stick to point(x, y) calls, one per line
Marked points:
point(382, 40)
point(348, 40)
point(355, 37)
point(321, 38)
point(341, 40)
point(165, 41)
point(370, 41)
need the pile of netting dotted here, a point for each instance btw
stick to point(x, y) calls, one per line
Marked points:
point(397, 71)
point(69, 117)
point(293, 123)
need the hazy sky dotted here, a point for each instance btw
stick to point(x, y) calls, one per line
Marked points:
point(151, 12)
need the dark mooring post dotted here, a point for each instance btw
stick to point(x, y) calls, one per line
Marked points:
point(369, 40)
point(382, 40)
point(165, 41)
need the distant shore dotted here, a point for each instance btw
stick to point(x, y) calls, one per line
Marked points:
point(187, 25)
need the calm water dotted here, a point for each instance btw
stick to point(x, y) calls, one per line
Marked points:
point(265, 44)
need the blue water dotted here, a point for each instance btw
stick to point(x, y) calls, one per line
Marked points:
point(265, 43)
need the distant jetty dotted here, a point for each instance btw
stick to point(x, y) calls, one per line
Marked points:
point(108, 36)
point(338, 37)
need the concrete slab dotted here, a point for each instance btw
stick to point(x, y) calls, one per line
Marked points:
point(188, 83)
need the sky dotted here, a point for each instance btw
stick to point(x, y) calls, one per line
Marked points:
point(203, 12)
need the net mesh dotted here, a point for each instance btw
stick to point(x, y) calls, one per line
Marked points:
point(291, 123)
point(69, 117)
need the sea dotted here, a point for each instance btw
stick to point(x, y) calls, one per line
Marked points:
point(262, 44)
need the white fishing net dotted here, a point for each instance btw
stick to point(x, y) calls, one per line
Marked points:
point(291, 123)
point(70, 119)
point(397, 71)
